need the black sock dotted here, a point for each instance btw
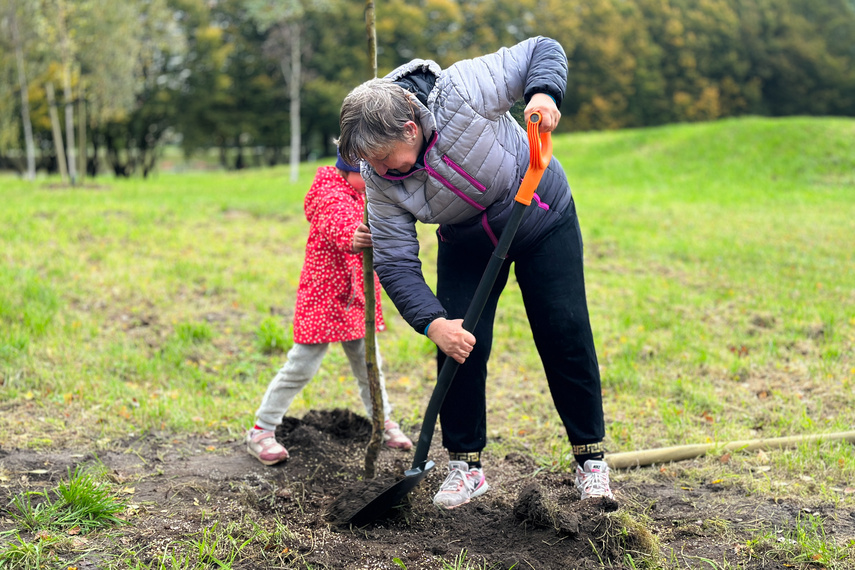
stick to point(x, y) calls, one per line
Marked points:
point(472, 458)
point(581, 459)
point(585, 451)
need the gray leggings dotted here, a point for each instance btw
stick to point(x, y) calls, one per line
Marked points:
point(304, 361)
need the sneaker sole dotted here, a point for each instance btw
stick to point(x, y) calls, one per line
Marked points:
point(268, 461)
point(606, 496)
point(480, 490)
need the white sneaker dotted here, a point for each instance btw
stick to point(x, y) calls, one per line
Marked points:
point(593, 480)
point(461, 485)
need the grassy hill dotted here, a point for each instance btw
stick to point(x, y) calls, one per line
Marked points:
point(719, 262)
point(719, 265)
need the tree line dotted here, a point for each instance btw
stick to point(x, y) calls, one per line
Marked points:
point(106, 84)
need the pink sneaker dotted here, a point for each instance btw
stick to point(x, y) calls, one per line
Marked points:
point(395, 438)
point(262, 444)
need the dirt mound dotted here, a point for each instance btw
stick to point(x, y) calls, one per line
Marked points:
point(530, 518)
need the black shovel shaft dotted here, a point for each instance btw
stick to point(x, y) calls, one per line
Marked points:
point(473, 314)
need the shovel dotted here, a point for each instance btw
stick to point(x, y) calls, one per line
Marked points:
point(540, 153)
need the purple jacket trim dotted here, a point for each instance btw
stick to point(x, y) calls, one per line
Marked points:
point(442, 180)
point(402, 176)
point(454, 189)
point(486, 225)
point(539, 203)
point(480, 187)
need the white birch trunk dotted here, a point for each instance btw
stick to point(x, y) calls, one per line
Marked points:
point(81, 132)
point(57, 132)
point(25, 102)
point(69, 127)
point(295, 100)
point(66, 90)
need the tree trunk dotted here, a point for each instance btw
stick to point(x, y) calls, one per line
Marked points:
point(25, 100)
point(371, 30)
point(94, 166)
point(224, 156)
point(296, 80)
point(373, 450)
point(57, 133)
point(81, 133)
point(66, 90)
point(69, 127)
point(377, 416)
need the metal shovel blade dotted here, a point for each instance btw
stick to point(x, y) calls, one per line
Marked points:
point(391, 496)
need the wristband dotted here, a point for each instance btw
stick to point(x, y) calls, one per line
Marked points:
point(426, 328)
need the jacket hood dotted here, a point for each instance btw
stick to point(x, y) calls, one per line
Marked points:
point(415, 65)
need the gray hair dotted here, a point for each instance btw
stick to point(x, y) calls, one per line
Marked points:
point(372, 119)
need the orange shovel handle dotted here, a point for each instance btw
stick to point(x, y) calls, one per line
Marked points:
point(540, 153)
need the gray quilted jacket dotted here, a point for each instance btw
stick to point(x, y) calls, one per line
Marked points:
point(476, 157)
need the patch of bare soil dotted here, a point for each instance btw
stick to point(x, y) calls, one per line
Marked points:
point(528, 519)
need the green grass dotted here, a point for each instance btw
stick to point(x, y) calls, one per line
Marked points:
point(806, 543)
point(271, 337)
point(24, 555)
point(217, 546)
point(84, 502)
point(461, 562)
point(58, 519)
point(719, 270)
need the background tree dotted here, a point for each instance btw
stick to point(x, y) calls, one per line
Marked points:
point(11, 12)
point(250, 78)
point(203, 99)
point(118, 82)
point(800, 52)
point(284, 22)
point(487, 25)
point(605, 73)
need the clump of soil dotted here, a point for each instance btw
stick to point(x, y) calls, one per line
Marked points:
point(529, 518)
point(533, 506)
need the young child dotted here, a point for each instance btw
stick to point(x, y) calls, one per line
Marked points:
point(330, 308)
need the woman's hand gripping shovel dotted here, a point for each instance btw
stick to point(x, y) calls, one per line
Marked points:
point(540, 153)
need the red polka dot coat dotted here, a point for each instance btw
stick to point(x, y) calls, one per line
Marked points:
point(331, 297)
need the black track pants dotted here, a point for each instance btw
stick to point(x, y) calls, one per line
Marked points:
point(551, 277)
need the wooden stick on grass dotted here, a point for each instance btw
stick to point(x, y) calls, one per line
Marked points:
point(682, 452)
